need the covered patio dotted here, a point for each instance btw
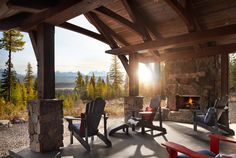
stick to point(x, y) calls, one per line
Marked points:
point(189, 41)
point(133, 145)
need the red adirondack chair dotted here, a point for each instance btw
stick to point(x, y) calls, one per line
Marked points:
point(174, 148)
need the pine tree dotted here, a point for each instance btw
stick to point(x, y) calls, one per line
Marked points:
point(116, 76)
point(12, 41)
point(80, 86)
point(126, 85)
point(232, 70)
point(99, 88)
point(29, 82)
point(6, 81)
point(79, 82)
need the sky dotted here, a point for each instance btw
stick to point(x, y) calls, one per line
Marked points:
point(73, 52)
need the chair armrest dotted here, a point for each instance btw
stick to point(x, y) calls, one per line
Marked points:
point(174, 148)
point(71, 118)
point(215, 142)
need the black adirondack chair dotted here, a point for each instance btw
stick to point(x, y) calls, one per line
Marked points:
point(88, 126)
point(210, 119)
point(145, 120)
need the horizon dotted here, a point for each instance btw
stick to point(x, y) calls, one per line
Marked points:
point(85, 54)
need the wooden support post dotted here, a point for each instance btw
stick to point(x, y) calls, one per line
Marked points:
point(156, 77)
point(133, 78)
point(46, 68)
point(224, 85)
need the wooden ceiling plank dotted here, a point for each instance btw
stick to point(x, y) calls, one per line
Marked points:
point(182, 12)
point(62, 12)
point(109, 13)
point(177, 41)
point(33, 6)
point(83, 31)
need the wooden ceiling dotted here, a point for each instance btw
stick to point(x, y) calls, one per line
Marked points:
point(155, 30)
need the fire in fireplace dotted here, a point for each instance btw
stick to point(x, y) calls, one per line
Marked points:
point(187, 102)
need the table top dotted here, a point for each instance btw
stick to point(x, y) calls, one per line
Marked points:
point(146, 112)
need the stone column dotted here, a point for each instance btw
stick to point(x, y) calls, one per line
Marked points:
point(45, 124)
point(132, 104)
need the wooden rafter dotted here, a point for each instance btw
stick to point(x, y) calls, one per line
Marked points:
point(12, 21)
point(109, 31)
point(178, 41)
point(109, 13)
point(83, 31)
point(92, 17)
point(62, 12)
point(33, 6)
point(182, 12)
point(130, 7)
point(33, 38)
point(183, 55)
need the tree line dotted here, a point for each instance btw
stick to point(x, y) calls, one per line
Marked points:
point(112, 87)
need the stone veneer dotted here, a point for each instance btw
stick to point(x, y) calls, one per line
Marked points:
point(132, 104)
point(192, 77)
point(45, 125)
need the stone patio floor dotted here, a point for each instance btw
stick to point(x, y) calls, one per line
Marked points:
point(134, 145)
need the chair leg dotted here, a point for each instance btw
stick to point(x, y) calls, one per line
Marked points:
point(82, 142)
point(195, 126)
point(104, 139)
point(71, 137)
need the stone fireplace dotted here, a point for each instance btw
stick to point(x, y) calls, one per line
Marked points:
point(195, 77)
point(193, 83)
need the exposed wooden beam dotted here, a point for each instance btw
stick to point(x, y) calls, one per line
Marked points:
point(62, 12)
point(130, 7)
point(182, 12)
point(83, 31)
point(33, 38)
point(184, 55)
point(92, 17)
point(178, 41)
point(31, 6)
point(12, 21)
point(134, 14)
point(109, 13)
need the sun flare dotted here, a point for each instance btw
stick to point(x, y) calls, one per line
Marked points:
point(144, 73)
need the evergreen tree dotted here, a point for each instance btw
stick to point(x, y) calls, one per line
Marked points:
point(99, 88)
point(29, 82)
point(79, 82)
point(116, 76)
point(126, 85)
point(8, 80)
point(80, 86)
point(92, 84)
point(232, 70)
point(12, 41)
point(90, 91)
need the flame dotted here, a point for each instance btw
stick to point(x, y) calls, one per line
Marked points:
point(190, 101)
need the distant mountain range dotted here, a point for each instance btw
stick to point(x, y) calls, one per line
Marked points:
point(65, 79)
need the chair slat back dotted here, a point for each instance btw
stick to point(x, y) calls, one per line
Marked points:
point(222, 102)
point(94, 111)
point(155, 102)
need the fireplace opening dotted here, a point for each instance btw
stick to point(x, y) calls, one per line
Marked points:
point(187, 102)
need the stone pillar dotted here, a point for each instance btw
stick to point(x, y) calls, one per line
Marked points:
point(132, 104)
point(45, 124)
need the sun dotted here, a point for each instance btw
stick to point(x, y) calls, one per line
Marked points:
point(144, 73)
